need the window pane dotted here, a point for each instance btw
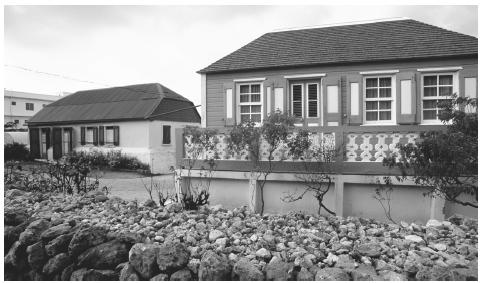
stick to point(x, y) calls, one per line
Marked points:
point(429, 114)
point(255, 88)
point(446, 90)
point(255, 97)
point(312, 109)
point(244, 89)
point(372, 82)
point(372, 116)
point(372, 93)
point(256, 118)
point(297, 93)
point(385, 105)
point(429, 104)
point(385, 115)
point(256, 108)
point(244, 109)
point(430, 80)
point(430, 91)
point(244, 118)
point(385, 81)
point(297, 108)
point(312, 92)
point(445, 80)
point(385, 92)
point(372, 105)
point(244, 98)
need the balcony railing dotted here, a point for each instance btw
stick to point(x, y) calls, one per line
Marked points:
point(359, 148)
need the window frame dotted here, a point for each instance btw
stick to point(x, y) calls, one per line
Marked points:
point(66, 131)
point(302, 99)
point(169, 136)
point(305, 98)
point(392, 98)
point(27, 108)
point(87, 129)
point(249, 103)
point(14, 103)
point(105, 140)
point(454, 85)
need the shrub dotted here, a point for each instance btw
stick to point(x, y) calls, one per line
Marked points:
point(16, 151)
point(112, 159)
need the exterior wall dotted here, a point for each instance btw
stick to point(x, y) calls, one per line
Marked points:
point(18, 137)
point(19, 112)
point(351, 195)
point(163, 156)
point(217, 84)
point(141, 139)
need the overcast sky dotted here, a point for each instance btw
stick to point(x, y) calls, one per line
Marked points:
point(123, 45)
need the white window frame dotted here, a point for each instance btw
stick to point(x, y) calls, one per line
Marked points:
point(302, 98)
point(454, 90)
point(250, 103)
point(393, 120)
point(87, 131)
point(66, 141)
point(305, 98)
point(109, 129)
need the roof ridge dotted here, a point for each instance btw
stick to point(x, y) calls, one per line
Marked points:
point(339, 24)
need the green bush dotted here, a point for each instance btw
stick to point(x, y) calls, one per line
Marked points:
point(16, 151)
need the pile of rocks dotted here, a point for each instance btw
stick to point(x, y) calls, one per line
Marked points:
point(93, 237)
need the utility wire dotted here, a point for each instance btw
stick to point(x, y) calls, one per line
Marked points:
point(78, 80)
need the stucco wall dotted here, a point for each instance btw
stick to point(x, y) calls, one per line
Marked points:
point(227, 192)
point(19, 111)
point(274, 191)
point(454, 208)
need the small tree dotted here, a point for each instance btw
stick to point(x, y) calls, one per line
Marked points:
point(317, 163)
point(201, 145)
point(446, 163)
point(249, 136)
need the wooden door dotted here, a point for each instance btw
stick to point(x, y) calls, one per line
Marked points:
point(57, 143)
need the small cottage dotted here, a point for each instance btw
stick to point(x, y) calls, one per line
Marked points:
point(139, 120)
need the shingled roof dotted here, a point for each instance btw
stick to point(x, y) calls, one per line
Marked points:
point(135, 102)
point(368, 42)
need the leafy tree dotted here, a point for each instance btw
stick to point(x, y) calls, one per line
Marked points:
point(317, 161)
point(249, 136)
point(445, 162)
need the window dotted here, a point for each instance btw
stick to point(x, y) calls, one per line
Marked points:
point(109, 135)
point(250, 102)
point(26, 121)
point(379, 100)
point(44, 143)
point(14, 103)
point(89, 136)
point(166, 134)
point(16, 121)
point(66, 141)
point(29, 106)
point(435, 89)
point(311, 97)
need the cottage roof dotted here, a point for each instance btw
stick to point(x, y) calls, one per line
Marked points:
point(133, 102)
point(399, 39)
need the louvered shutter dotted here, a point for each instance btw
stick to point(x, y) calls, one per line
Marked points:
point(116, 135)
point(101, 135)
point(332, 99)
point(34, 135)
point(354, 90)
point(95, 136)
point(228, 90)
point(82, 135)
point(47, 136)
point(70, 144)
point(406, 98)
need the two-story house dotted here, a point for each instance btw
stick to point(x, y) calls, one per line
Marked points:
point(368, 86)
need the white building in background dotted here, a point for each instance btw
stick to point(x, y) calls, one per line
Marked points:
point(19, 106)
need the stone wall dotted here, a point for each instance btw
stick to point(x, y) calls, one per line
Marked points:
point(95, 237)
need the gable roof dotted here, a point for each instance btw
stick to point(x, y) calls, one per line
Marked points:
point(378, 41)
point(134, 102)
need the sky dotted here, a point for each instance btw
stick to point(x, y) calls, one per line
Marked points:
point(124, 45)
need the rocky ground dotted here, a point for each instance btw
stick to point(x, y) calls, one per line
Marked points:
point(94, 237)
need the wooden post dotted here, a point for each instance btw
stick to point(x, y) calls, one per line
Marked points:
point(339, 195)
